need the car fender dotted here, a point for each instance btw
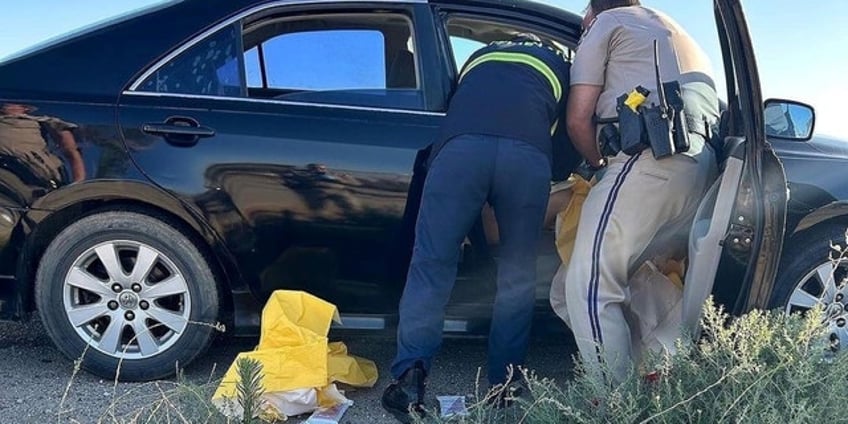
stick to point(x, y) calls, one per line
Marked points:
point(114, 190)
point(88, 196)
point(836, 209)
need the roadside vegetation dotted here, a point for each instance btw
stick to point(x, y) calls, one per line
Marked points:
point(765, 367)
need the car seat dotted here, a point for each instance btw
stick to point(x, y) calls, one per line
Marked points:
point(402, 71)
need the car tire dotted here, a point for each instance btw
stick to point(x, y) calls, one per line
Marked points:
point(806, 262)
point(137, 322)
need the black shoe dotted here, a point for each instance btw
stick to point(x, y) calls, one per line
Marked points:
point(406, 394)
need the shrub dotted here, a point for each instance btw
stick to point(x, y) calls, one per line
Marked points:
point(765, 367)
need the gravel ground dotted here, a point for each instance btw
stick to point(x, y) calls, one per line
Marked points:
point(34, 376)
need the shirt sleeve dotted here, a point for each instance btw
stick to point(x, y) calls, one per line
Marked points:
point(58, 125)
point(590, 61)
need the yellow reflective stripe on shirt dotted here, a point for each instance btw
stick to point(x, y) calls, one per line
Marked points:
point(520, 58)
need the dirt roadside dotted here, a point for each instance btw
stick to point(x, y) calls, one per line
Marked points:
point(34, 376)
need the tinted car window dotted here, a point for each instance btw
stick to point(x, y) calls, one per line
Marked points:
point(357, 59)
point(321, 60)
point(361, 59)
point(210, 67)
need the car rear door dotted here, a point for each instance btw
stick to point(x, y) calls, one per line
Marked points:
point(293, 129)
point(741, 222)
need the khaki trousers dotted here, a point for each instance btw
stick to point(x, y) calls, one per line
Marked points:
point(641, 208)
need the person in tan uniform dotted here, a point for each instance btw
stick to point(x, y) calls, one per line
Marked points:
point(23, 141)
point(640, 207)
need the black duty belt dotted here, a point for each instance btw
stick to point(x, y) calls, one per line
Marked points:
point(695, 124)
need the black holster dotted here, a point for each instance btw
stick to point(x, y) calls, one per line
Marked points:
point(610, 140)
point(631, 128)
point(679, 119)
point(658, 131)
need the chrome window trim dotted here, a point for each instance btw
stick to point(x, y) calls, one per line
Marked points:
point(241, 15)
point(283, 102)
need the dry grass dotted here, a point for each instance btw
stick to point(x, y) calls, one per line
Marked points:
point(765, 367)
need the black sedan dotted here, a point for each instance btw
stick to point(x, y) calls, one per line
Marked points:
point(173, 167)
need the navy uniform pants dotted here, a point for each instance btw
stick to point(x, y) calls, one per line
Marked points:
point(514, 177)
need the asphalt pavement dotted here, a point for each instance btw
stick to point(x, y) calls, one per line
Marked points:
point(35, 377)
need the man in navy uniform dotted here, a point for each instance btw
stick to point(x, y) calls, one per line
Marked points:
point(495, 146)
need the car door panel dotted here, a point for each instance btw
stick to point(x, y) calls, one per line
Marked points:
point(304, 198)
point(746, 233)
point(308, 194)
point(768, 195)
point(774, 201)
point(706, 241)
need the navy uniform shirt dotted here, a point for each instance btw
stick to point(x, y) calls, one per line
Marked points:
point(510, 89)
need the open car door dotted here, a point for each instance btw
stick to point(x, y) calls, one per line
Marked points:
point(742, 219)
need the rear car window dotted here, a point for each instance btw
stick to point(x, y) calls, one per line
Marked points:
point(210, 67)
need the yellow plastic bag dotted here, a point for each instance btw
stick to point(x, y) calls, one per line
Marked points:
point(565, 234)
point(568, 218)
point(296, 357)
point(349, 369)
point(294, 318)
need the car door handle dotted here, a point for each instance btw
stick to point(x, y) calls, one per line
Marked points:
point(179, 130)
point(165, 129)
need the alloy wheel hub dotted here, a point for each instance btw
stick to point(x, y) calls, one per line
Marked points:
point(128, 300)
point(836, 326)
point(825, 286)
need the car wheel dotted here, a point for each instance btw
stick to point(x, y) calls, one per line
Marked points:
point(811, 273)
point(128, 294)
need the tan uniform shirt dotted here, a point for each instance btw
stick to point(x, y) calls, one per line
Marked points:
point(617, 52)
